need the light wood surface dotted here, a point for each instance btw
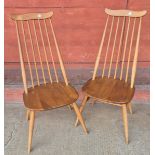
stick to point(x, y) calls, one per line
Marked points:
point(125, 120)
point(79, 116)
point(35, 33)
point(31, 126)
point(86, 98)
point(123, 28)
point(30, 16)
point(129, 105)
point(127, 13)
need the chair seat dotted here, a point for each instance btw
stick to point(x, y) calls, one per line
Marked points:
point(109, 90)
point(49, 96)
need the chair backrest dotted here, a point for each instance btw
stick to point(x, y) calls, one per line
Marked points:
point(34, 34)
point(120, 41)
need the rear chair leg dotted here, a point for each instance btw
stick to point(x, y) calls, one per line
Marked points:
point(86, 98)
point(93, 102)
point(80, 118)
point(31, 126)
point(27, 114)
point(130, 107)
point(125, 120)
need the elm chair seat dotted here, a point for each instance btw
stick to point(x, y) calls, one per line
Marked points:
point(109, 90)
point(50, 96)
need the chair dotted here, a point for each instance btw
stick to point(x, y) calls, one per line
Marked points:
point(120, 41)
point(46, 91)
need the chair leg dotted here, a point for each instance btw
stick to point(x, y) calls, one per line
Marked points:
point(27, 114)
point(93, 102)
point(125, 120)
point(80, 118)
point(31, 126)
point(130, 107)
point(70, 107)
point(86, 98)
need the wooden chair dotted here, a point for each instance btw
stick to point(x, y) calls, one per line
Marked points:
point(120, 43)
point(34, 34)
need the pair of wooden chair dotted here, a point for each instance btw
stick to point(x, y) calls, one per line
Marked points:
point(36, 38)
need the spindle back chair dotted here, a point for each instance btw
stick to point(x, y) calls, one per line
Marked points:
point(35, 34)
point(120, 43)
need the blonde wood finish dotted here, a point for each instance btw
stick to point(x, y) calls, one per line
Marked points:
point(125, 120)
point(127, 13)
point(38, 49)
point(107, 50)
point(129, 105)
point(113, 48)
point(27, 115)
point(86, 98)
point(135, 56)
point(27, 55)
point(31, 126)
point(45, 52)
point(131, 42)
point(31, 16)
point(49, 44)
point(34, 58)
point(124, 52)
point(100, 50)
point(119, 49)
point(116, 89)
point(21, 60)
point(80, 117)
point(33, 32)
point(59, 56)
point(93, 102)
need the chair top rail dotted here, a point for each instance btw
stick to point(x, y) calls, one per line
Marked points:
point(31, 16)
point(127, 13)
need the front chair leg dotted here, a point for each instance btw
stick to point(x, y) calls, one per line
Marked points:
point(86, 98)
point(125, 120)
point(79, 116)
point(130, 107)
point(31, 126)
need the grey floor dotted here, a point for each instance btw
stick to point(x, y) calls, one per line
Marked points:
point(55, 134)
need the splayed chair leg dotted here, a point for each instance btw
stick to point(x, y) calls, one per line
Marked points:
point(86, 98)
point(31, 126)
point(80, 118)
point(125, 121)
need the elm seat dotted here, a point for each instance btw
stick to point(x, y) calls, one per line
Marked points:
point(109, 90)
point(50, 96)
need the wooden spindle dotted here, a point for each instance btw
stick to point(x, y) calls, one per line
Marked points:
point(34, 58)
point(58, 52)
point(36, 38)
point(113, 48)
point(108, 46)
point(21, 59)
point(45, 52)
point(126, 40)
point(119, 48)
point(49, 44)
point(131, 42)
point(136, 55)
point(100, 49)
point(27, 55)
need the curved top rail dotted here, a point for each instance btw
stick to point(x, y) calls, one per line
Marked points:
point(29, 16)
point(128, 13)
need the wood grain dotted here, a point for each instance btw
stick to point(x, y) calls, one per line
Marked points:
point(49, 96)
point(109, 90)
